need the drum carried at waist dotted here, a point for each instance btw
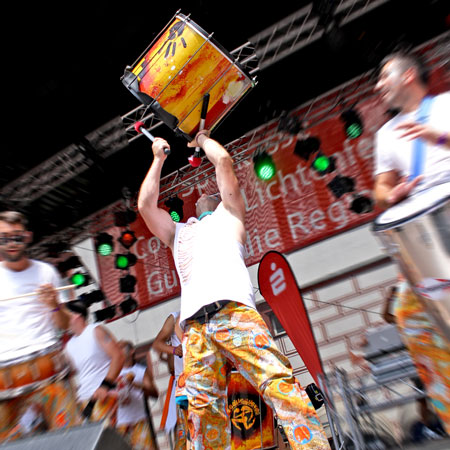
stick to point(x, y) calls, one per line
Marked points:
point(180, 67)
point(27, 373)
point(416, 232)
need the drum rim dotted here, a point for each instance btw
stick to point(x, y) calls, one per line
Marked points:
point(215, 43)
point(6, 394)
point(33, 355)
point(405, 220)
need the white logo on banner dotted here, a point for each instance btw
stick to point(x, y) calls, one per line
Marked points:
point(277, 280)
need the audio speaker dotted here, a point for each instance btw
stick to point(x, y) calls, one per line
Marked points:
point(92, 436)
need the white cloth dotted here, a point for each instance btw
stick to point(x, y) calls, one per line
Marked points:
point(175, 342)
point(89, 360)
point(210, 263)
point(26, 324)
point(394, 153)
point(132, 411)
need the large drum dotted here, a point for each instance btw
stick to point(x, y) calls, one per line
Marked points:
point(416, 232)
point(252, 421)
point(174, 75)
point(22, 375)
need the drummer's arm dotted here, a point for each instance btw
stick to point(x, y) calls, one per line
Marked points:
point(157, 219)
point(49, 296)
point(390, 189)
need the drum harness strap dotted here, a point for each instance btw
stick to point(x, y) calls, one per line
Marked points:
point(418, 154)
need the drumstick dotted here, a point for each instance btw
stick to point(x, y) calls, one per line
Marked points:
point(195, 160)
point(30, 294)
point(140, 128)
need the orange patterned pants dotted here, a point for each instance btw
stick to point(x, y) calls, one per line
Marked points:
point(138, 435)
point(49, 408)
point(429, 350)
point(238, 336)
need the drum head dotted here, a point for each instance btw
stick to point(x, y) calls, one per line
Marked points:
point(412, 207)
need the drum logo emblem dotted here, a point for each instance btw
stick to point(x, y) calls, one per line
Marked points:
point(243, 413)
point(433, 288)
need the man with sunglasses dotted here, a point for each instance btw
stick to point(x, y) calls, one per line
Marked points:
point(222, 328)
point(29, 327)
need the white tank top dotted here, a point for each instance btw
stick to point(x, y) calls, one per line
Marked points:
point(210, 263)
point(175, 342)
point(89, 360)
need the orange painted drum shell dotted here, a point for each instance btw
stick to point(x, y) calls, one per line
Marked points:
point(182, 66)
point(31, 371)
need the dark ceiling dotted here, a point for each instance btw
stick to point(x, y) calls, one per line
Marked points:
point(63, 67)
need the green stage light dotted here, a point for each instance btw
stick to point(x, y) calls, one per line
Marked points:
point(353, 125)
point(125, 261)
point(175, 206)
point(104, 244)
point(323, 164)
point(263, 165)
point(80, 279)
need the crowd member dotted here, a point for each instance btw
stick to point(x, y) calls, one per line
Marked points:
point(169, 341)
point(413, 154)
point(218, 314)
point(97, 360)
point(30, 330)
point(132, 419)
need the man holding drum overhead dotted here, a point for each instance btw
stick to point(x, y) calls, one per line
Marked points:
point(413, 160)
point(35, 391)
point(221, 325)
point(413, 148)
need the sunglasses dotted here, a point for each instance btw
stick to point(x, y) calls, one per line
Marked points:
point(18, 239)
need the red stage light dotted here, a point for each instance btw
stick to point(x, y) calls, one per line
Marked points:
point(127, 239)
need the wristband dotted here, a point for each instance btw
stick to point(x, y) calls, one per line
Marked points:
point(55, 309)
point(108, 384)
point(442, 139)
point(173, 351)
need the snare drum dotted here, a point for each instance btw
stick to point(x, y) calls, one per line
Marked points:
point(416, 232)
point(22, 375)
point(177, 71)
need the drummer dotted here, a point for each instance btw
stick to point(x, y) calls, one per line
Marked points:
point(402, 86)
point(29, 325)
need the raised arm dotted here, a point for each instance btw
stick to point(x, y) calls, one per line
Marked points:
point(226, 178)
point(160, 342)
point(157, 220)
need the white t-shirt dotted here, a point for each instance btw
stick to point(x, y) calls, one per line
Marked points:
point(210, 263)
point(89, 360)
point(134, 411)
point(394, 153)
point(175, 342)
point(26, 324)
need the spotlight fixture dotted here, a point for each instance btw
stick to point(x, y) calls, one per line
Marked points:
point(73, 262)
point(124, 218)
point(128, 305)
point(289, 124)
point(80, 279)
point(56, 248)
point(104, 244)
point(353, 125)
point(92, 297)
point(127, 284)
point(340, 185)
point(323, 164)
point(127, 238)
point(105, 314)
point(175, 205)
point(125, 261)
point(361, 204)
point(263, 165)
point(304, 148)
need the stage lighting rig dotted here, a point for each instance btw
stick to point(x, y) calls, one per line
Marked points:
point(127, 239)
point(340, 185)
point(361, 204)
point(127, 284)
point(304, 148)
point(128, 305)
point(104, 245)
point(353, 124)
point(105, 314)
point(125, 260)
point(323, 164)
point(124, 218)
